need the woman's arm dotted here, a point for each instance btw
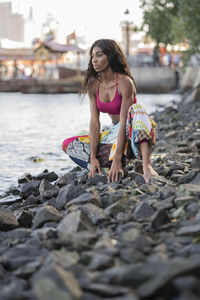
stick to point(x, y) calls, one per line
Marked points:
point(94, 132)
point(127, 90)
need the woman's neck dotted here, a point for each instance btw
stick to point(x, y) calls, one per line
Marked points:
point(108, 76)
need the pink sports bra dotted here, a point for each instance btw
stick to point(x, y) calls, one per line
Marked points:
point(112, 107)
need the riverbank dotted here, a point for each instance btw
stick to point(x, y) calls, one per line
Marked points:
point(45, 86)
point(71, 237)
point(165, 80)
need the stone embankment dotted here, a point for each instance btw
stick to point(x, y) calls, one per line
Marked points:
point(74, 237)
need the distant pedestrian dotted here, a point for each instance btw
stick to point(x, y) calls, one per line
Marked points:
point(156, 57)
point(176, 60)
point(169, 58)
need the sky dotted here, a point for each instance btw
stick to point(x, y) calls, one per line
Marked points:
point(90, 18)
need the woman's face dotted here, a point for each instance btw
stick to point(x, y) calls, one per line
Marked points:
point(99, 60)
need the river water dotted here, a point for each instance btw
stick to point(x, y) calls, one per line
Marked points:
point(33, 126)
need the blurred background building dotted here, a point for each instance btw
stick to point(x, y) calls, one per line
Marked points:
point(11, 24)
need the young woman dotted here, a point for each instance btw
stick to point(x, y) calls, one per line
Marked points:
point(111, 90)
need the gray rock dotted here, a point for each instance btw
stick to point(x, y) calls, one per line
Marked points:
point(112, 196)
point(47, 190)
point(25, 219)
point(177, 166)
point(171, 134)
point(7, 220)
point(27, 269)
point(115, 208)
point(193, 230)
point(184, 200)
point(189, 250)
point(80, 241)
point(130, 255)
point(31, 201)
point(45, 233)
point(188, 177)
point(18, 256)
point(47, 214)
point(14, 287)
point(83, 199)
point(137, 177)
point(192, 209)
point(10, 200)
point(47, 288)
point(185, 295)
point(160, 218)
point(25, 178)
point(94, 213)
point(196, 162)
point(124, 217)
point(195, 146)
point(30, 188)
point(68, 193)
point(130, 235)
point(164, 204)
point(63, 258)
point(20, 234)
point(178, 213)
point(189, 190)
point(144, 277)
point(100, 262)
point(83, 177)
point(182, 283)
point(174, 267)
point(196, 180)
point(53, 282)
point(105, 242)
point(143, 244)
point(96, 179)
point(138, 166)
point(143, 211)
point(176, 177)
point(50, 176)
point(197, 216)
point(71, 223)
point(105, 290)
point(69, 178)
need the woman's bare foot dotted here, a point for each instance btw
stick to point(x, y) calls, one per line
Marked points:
point(148, 173)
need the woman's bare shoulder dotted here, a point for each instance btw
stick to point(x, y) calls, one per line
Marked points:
point(125, 82)
point(125, 79)
point(92, 87)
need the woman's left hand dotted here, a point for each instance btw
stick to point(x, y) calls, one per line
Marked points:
point(115, 169)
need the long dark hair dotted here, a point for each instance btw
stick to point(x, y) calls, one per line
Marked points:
point(116, 58)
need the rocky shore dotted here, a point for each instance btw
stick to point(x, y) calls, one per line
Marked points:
point(74, 237)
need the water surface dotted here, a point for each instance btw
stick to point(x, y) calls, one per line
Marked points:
point(33, 126)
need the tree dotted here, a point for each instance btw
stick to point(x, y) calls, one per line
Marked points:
point(173, 21)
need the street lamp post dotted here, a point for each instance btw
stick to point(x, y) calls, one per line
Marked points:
point(127, 35)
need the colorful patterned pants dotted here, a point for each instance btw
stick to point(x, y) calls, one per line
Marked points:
point(139, 128)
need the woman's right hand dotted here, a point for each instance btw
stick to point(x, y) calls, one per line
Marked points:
point(94, 167)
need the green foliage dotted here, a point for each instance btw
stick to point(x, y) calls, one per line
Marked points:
point(190, 14)
point(173, 21)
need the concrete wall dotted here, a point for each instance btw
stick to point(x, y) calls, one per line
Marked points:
point(190, 84)
point(189, 77)
point(155, 79)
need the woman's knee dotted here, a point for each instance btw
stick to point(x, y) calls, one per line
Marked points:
point(137, 108)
